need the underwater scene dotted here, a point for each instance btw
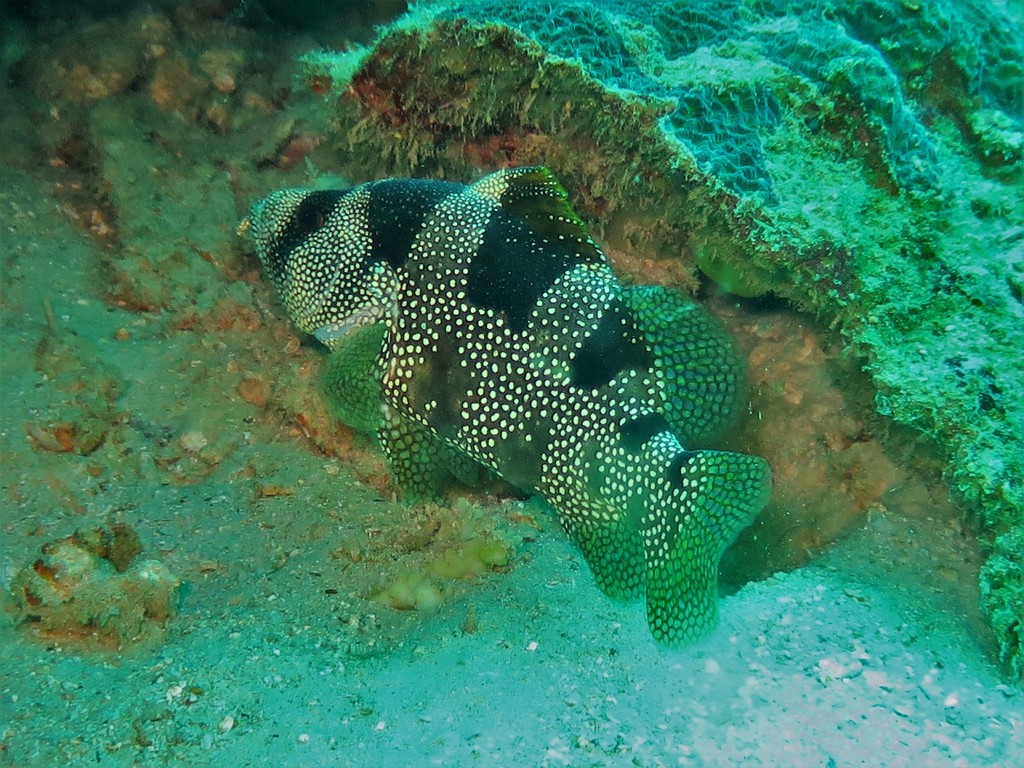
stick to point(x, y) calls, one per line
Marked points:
point(509, 383)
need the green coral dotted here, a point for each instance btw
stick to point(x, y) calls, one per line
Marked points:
point(722, 261)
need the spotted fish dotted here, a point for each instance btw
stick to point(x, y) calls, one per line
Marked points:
point(482, 325)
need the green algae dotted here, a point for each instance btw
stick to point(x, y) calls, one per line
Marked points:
point(717, 259)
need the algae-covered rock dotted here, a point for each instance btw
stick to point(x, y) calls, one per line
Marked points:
point(1002, 595)
point(92, 588)
point(861, 160)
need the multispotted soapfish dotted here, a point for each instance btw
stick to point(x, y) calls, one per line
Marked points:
point(482, 324)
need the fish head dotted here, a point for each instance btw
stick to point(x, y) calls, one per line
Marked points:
point(318, 252)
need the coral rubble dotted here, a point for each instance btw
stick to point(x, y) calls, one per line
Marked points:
point(92, 588)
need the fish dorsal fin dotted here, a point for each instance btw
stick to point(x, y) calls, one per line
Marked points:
point(704, 378)
point(536, 197)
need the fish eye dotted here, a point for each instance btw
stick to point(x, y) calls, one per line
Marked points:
point(311, 214)
point(309, 219)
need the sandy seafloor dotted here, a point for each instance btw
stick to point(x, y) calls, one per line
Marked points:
point(830, 665)
point(871, 655)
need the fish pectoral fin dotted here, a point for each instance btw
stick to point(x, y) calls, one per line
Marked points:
point(612, 548)
point(422, 464)
point(352, 378)
point(714, 497)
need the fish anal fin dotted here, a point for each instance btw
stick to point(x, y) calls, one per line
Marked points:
point(714, 496)
point(612, 548)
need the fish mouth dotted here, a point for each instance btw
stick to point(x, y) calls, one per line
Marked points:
point(332, 334)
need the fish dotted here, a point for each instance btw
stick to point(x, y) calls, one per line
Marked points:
point(481, 326)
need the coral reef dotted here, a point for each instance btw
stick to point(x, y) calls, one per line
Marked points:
point(162, 388)
point(859, 160)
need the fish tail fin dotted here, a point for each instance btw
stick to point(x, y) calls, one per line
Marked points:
point(700, 508)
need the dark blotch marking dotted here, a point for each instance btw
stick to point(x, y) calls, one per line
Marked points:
point(615, 345)
point(520, 461)
point(513, 267)
point(633, 434)
point(397, 211)
point(439, 378)
point(675, 468)
point(309, 216)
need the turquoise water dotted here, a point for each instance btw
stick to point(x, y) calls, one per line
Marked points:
point(202, 567)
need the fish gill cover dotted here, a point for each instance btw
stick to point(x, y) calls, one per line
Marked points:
point(861, 160)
